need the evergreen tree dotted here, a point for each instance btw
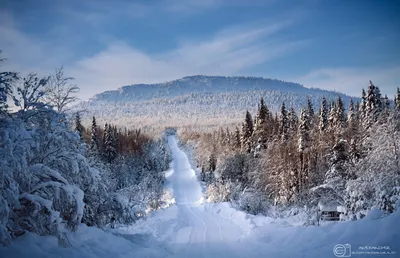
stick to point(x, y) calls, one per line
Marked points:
point(331, 116)
point(293, 120)
point(260, 125)
point(227, 140)
point(340, 118)
point(337, 174)
point(94, 140)
point(110, 152)
point(386, 106)
point(351, 117)
point(237, 138)
point(212, 162)
point(284, 124)
point(397, 99)
point(323, 116)
point(304, 131)
point(374, 105)
point(78, 124)
point(363, 106)
point(310, 109)
point(247, 132)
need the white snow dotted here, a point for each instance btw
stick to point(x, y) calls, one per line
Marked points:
point(191, 228)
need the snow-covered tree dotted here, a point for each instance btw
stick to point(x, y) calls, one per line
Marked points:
point(261, 123)
point(30, 93)
point(7, 80)
point(397, 99)
point(310, 109)
point(374, 107)
point(94, 137)
point(293, 120)
point(323, 116)
point(60, 92)
point(78, 124)
point(284, 124)
point(304, 132)
point(109, 143)
point(247, 132)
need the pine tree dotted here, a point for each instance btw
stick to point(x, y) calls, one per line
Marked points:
point(310, 109)
point(337, 174)
point(363, 105)
point(237, 138)
point(331, 116)
point(94, 140)
point(351, 116)
point(397, 99)
point(78, 124)
point(260, 125)
point(304, 131)
point(110, 152)
point(284, 124)
point(304, 143)
point(247, 132)
point(293, 120)
point(227, 140)
point(386, 106)
point(340, 118)
point(212, 162)
point(374, 105)
point(323, 116)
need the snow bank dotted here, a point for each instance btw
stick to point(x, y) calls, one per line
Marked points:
point(273, 239)
point(88, 242)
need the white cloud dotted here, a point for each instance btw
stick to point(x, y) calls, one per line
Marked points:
point(226, 53)
point(352, 80)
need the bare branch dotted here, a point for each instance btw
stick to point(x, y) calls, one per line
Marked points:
point(61, 91)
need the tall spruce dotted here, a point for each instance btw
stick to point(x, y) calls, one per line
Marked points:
point(109, 143)
point(237, 138)
point(304, 131)
point(293, 120)
point(351, 115)
point(260, 125)
point(94, 138)
point(284, 124)
point(323, 116)
point(374, 105)
point(78, 124)
point(340, 116)
point(247, 132)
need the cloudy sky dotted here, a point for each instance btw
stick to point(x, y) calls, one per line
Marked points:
point(106, 44)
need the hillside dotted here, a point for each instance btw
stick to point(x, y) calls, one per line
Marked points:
point(198, 100)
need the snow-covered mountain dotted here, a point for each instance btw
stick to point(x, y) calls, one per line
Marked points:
point(199, 99)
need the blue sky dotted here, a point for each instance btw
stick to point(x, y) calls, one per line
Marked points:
point(338, 45)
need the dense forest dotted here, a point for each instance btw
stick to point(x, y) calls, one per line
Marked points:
point(56, 174)
point(288, 161)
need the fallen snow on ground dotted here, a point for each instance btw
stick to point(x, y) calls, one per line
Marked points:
point(191, 228)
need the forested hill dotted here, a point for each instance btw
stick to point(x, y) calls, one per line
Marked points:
point(199, 84)
point(200, 100)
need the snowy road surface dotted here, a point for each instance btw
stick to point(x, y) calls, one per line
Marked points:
point(205, 234)
point(193, 229)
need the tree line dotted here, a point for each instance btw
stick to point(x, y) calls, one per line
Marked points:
point(301, 159)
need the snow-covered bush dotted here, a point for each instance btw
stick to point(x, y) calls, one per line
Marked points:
point(38, 158)
point(253, 202)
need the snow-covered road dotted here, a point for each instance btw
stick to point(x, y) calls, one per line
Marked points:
point(205, 234)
